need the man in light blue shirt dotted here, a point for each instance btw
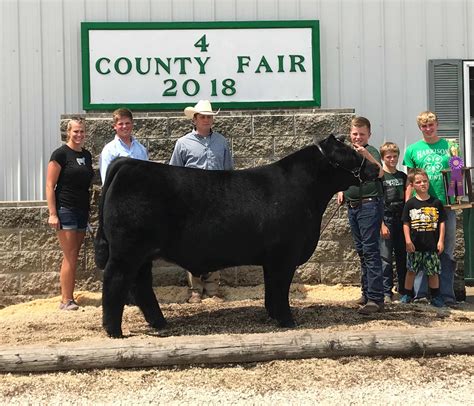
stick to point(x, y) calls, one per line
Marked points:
point(124, 144)
point(204, 149)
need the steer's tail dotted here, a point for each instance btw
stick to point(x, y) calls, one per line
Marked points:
point(101, 245)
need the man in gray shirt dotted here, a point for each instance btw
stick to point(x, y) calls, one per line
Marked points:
point(204, 149)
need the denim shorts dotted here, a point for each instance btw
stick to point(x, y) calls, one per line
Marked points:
point(73, 219)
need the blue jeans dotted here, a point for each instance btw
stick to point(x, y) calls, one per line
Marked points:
point(393, 245)
point(365, 221)
point(448, 265)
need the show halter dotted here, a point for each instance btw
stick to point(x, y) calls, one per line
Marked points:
point(355, 172)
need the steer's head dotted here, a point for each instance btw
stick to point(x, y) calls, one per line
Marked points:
point(345, 160)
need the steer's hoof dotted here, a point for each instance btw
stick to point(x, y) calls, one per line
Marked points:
point(289, 323)
point(159, 325)
point(114, 333)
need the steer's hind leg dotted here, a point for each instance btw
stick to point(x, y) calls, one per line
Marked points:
point(269, 289)
point(145, 297)
point(114, 292)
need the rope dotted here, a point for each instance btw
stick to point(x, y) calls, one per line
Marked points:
point(330, 218)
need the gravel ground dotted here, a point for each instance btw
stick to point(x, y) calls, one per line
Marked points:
point(446, 380)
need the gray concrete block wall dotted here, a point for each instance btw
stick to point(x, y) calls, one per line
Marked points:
point(29, 252)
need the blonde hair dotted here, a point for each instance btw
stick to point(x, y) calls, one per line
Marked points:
point(77, 120)
point(426, 117)
point(389, 147)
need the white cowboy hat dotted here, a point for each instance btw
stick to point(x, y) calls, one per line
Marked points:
point(202, 107)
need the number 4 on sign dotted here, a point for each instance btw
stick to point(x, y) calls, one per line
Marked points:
point(201, 43)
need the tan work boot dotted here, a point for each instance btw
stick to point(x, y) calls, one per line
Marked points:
point(195, 298)
point(361, 301)
point(217, 299)
point(371, 307)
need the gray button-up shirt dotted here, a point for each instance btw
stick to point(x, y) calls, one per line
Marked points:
point(211, 152)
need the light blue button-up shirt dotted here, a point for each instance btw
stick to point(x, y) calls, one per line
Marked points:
point(116, 148)
point(211, 152)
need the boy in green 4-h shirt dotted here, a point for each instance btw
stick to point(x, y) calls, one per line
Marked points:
point(432, 154)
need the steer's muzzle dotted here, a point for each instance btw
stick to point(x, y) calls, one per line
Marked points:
point(369, 171)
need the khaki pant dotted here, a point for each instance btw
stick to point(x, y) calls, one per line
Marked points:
point(207, 283)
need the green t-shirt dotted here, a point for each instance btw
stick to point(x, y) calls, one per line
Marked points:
point(433, 158)
point(371, 188)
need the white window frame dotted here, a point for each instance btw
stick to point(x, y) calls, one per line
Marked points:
point(468, 120)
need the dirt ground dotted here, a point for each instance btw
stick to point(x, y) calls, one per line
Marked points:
point(440, 380)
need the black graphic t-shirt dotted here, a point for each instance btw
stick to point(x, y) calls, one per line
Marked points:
point(394, 192)
point(424, 217)
point(72, 188)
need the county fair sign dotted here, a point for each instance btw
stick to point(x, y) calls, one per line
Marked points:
point(172, 65)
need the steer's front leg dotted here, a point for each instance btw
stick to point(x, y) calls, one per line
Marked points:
point(281, 281)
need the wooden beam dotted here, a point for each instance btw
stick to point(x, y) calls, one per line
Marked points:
point(148, 351)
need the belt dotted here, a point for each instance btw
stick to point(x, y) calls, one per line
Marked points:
point(356, 203)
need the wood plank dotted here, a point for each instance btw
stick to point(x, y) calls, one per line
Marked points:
point(148, 351)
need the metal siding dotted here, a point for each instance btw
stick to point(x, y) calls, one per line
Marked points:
point(53, 78)
point(140, 10)
point(288, 10)
point(331, 54)
point(31, 92)
point(95, 10)
point(351, 57)
point(414, 65)
point(393, 85)
point(117, 10)
point(469, 29)
point(434, 34)
point(267, 9)
point(246, 10)
point(204, 10)
point(373, 58)
point(182, 10)
point(373, 67)
point(73, 12)
point(161, 10)
point(225, 10)
point(455, 23)
point(10, 110)
point(309, 9)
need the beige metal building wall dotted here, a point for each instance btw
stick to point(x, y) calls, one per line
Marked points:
point(374, 57)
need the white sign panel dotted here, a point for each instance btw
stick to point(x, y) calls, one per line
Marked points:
point(170, 65)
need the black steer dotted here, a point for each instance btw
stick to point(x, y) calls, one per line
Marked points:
point(207, 220)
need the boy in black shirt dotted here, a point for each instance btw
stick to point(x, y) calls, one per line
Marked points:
point(391, 231)
point(424, 228)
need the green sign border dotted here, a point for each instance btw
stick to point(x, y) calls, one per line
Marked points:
point(88, 26)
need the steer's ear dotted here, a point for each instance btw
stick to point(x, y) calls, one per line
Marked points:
point(340, 137)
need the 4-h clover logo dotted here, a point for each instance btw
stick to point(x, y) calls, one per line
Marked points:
point(434, 164)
